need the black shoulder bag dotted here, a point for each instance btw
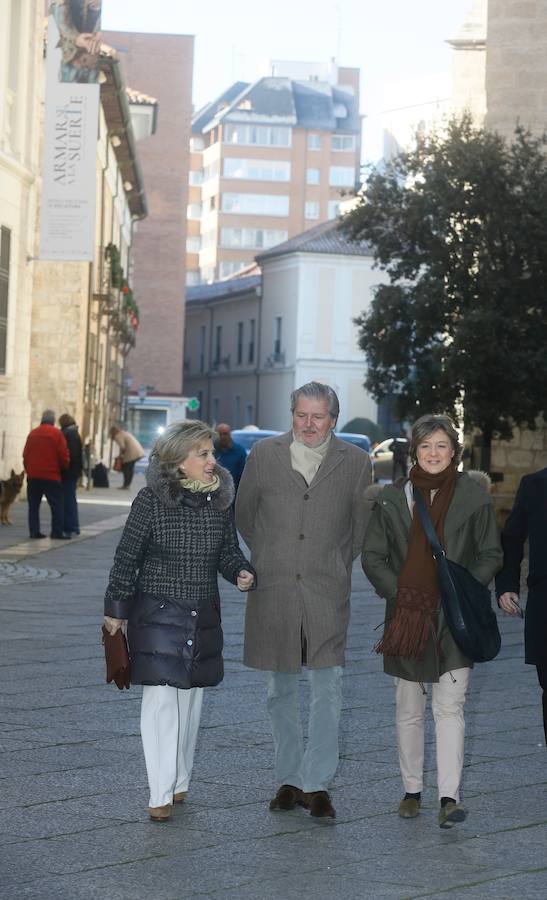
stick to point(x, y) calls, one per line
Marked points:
point(466, 603)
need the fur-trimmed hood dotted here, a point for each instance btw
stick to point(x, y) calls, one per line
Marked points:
point(481, 478)
point(170, 492)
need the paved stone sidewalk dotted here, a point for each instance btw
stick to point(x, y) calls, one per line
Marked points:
point(73, 792)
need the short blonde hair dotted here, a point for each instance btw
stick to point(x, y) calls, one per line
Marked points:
point(426, 425)
point(177, 441)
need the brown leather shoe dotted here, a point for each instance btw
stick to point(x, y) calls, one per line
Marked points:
point(287, 797)
point(180, 797)
point(320, 804)
point(159, 813)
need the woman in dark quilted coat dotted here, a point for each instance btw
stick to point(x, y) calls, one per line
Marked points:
point(179, 534)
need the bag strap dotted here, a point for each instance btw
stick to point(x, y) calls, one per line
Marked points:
point(438, 552)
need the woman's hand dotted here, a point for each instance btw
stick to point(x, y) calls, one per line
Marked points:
point(112, 625)
point(509, 602)
point(245, 580)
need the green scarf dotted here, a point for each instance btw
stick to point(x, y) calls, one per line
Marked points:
point(198, 487)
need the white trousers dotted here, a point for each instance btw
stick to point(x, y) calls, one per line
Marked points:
point(169, 729)
point(447, 702)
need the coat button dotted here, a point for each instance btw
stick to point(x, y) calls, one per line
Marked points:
point(189, 643)
point(162, 605)
point(193, 612)
point(300, 537)
point(298, 577)
point(306, 496)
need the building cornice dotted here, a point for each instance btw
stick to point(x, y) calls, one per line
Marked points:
point(115, 105)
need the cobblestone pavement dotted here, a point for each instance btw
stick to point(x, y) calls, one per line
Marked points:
point(73, 792)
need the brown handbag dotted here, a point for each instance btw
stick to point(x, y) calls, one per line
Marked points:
point(117, 464)
point(118, 668)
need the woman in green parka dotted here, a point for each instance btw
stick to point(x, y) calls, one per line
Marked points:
point(417, 646)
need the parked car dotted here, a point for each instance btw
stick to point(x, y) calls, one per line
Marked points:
point(247, 437)
point(382, 458)
point(360, 440)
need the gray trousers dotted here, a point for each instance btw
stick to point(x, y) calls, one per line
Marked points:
point(312, 768)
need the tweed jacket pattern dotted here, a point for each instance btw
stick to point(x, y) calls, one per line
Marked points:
point(471, 539)
point(303, 540)
point(164, 580)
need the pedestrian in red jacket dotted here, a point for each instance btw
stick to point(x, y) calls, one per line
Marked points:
point(45, 456)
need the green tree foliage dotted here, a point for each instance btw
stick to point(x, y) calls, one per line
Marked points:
point(364, 426)
point(459, 224)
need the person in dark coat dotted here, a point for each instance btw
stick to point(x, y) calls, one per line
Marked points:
point(400, 448)
point(71, 476)
point(179, 534)
point(230, 455)
point(528, 520)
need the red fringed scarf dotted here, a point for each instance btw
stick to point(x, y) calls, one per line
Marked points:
point(407, 633)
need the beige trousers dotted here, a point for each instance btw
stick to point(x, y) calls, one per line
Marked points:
point(447, 702)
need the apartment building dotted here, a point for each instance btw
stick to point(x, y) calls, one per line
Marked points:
point(269, 160)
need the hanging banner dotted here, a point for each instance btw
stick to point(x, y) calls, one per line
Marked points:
point(67, 225)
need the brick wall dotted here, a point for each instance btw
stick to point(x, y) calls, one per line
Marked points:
point(161, 66)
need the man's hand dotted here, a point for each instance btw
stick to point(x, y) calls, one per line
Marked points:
point(509, 602)
point(245, 580)
point(112, 625)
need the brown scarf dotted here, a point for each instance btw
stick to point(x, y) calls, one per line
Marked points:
point(407, 633)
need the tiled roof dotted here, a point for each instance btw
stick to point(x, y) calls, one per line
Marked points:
point(201, 293)
point(138, 98)
point(324, 238)
point(203, 116)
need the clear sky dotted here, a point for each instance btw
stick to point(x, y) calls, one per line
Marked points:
point(394, 42)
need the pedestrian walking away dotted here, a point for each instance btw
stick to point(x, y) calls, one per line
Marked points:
point(300, 510)
point(400, 448)
point(179, 534)
point(45, 457)
point(419, 651)
point(71, 476)
point(130, 452)
point(230, 455)
point(528, 521)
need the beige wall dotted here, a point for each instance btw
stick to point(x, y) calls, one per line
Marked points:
point(21, 87)
point(516, 67)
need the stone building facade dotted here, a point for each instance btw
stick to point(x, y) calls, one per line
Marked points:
point(82, 324)
point(65, 327)
point(21, 48)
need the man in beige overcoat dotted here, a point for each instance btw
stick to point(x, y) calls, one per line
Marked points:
point(300, 510)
